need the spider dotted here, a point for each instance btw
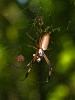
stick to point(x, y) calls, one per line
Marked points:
point(41, 47)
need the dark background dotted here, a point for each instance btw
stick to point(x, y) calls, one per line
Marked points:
point(16, 21)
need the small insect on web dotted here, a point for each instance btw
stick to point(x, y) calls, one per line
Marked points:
point(42, 46)
point(20, 58)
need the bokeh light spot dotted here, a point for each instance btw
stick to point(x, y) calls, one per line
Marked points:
point(22, 1)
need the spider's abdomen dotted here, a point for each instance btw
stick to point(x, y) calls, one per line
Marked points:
point(44, 42)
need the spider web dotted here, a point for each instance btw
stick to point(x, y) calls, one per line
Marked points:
point(17, 30)
point(20, 31)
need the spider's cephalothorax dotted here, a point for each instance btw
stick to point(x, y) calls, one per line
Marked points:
point(39, 55)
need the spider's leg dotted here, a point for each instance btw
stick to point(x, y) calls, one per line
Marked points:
point(28, 70)
point(50, 68)
point(31, 46)
point(31, 38)
point(30, 64)
point(56, 29)
point(30, 67)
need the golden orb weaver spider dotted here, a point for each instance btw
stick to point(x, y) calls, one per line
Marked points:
point(41, 47)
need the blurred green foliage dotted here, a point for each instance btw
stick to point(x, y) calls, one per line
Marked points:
point(16, 21)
